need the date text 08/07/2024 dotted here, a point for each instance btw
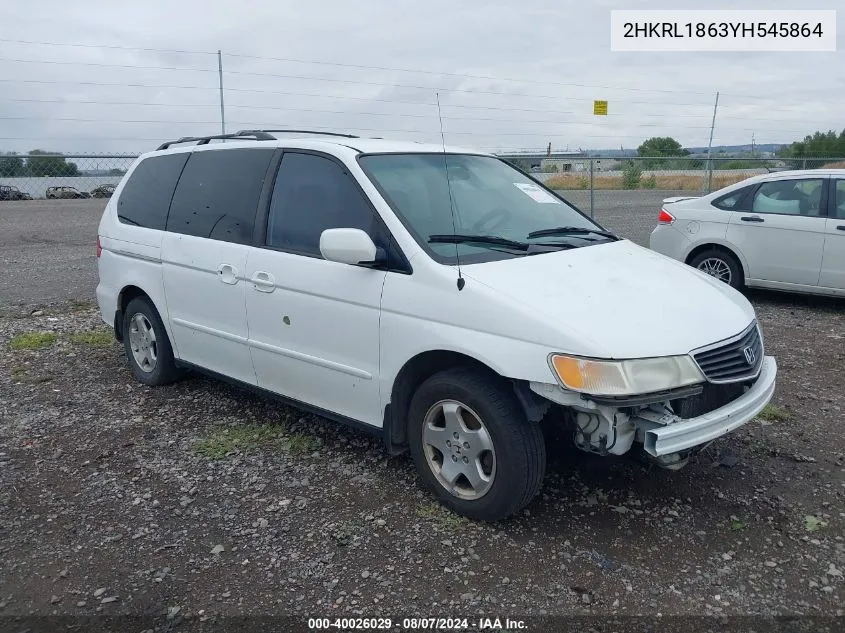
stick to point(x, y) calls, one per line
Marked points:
point(416, 624)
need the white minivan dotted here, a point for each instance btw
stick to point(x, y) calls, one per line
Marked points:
point(436, 296)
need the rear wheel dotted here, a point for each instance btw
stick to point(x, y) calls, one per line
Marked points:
point(473, 446)
point(721, 265)
point(147, 347)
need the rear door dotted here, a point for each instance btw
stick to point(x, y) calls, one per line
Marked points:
point(204, 251)
point(833, 260)
point(782, 236)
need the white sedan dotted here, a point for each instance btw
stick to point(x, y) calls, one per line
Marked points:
point(783, 231)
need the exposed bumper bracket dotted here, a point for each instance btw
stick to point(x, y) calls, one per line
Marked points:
point(671, 434)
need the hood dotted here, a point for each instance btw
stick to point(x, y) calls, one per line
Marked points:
point(619, 300)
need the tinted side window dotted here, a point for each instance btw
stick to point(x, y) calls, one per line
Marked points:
point(217, 195)
point(146, 196)
point(789, 197)
point(839, 200)
point(313, 194)
point(733, 201)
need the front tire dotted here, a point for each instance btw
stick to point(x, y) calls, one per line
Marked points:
point(147, 346)
point(473, 446)
point(721, 265)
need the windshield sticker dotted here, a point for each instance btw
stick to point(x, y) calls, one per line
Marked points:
point(535, 193)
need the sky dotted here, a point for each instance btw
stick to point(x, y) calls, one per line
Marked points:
point(88, 76)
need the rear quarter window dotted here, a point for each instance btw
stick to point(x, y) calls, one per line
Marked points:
point(146, 196)
point(733, 201)
point(217, 195)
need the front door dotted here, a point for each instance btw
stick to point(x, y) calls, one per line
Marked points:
point(313, 323)
point(782, 237)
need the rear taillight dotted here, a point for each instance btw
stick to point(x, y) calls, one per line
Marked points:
point(99, 247)
point(665, 217)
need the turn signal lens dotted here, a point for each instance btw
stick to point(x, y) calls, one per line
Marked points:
point(99, 247)
point(665, 217)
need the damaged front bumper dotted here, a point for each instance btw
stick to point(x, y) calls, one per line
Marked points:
point(666, 434)
point(605, 429)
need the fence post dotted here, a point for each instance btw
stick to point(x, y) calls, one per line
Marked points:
point(592, 188)
point(804, 163)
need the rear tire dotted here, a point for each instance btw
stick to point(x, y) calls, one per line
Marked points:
point(147, 346)
point(719, 264)
point(472, 445)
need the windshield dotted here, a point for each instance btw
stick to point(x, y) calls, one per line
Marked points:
point(489, 198)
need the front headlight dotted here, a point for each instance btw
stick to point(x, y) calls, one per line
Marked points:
point(624, 377)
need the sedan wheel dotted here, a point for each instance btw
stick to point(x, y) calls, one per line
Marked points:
point(716, 267)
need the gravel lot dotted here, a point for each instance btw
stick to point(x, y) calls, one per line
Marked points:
point(198, 500)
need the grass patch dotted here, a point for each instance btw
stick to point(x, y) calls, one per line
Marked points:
point(737, 524)
point(96, 338)
point(80, 306)
point(238, 439)
point(774, 413)
point(32, 340)
point(442, 516)
point(300, 443)
point(813, 523)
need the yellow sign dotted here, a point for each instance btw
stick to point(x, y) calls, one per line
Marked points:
point(600, 107)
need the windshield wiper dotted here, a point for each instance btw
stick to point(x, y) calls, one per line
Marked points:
point(478, 239)
point(570, 230)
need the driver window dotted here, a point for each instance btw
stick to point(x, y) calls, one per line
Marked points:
point(789, 197)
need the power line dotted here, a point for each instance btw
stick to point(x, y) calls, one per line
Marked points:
point(374, 67)
point(556, 124)
point(611, 116)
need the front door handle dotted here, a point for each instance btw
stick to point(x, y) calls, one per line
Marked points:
point(227, 273)
point(751, 218)
point(263, 282)
point(841, 227)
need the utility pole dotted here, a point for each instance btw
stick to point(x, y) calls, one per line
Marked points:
point(710, 146)
point(220, 76)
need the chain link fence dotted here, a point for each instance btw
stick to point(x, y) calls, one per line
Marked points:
point(61, 176)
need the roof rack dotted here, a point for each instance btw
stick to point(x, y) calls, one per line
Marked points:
point(316, 132)
point(256, 135)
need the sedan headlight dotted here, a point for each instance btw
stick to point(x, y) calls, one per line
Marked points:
point(624, 377)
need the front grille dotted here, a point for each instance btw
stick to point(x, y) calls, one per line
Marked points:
point(736, 360)
point(712, 397)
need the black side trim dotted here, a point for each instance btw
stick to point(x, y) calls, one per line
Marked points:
point(395, 446)
point(648, 398)
point(118, 326)
point(369, 429)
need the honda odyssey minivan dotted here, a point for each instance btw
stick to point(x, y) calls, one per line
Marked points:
point(436, 296)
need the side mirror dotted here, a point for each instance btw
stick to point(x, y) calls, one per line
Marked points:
point(348, 246)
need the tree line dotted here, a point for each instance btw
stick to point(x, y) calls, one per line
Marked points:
point(36, 163)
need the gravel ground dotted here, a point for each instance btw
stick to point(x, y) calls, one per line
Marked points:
point(201, 500)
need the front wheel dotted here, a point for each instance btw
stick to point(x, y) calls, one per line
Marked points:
point(473, 446)
point(721, 265)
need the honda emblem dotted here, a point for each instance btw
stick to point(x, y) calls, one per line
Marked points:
point(750, 356)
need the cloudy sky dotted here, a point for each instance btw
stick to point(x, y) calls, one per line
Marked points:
point(88, 76)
